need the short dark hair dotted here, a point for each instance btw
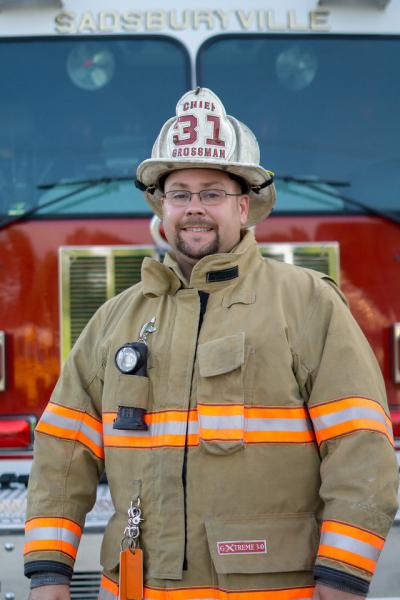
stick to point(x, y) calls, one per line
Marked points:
point(244, 186)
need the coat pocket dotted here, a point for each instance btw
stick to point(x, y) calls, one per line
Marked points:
point(132, 391)
point(265, 544)
point(220, 394)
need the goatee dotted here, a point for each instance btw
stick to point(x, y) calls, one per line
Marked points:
point(211, 248)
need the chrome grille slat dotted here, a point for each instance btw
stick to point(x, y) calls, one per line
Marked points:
point(85, 585)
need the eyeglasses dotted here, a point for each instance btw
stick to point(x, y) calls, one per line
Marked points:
point(207, 197)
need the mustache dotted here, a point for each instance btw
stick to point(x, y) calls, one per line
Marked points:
point(197, 223)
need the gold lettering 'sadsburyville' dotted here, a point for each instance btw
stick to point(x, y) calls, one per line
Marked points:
point(112, 21)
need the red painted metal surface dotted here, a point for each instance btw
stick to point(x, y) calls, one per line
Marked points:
point(29, 293)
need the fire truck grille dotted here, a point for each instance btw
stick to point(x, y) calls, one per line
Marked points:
point(88, 290)
point(88, 277)
point(322, 257)
point(127, 270)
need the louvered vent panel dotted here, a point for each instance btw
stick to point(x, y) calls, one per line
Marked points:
point(85, 585)
point(319, 261)
point(88, 290)
point(322, 257)
point(90, 275)
point(127, 271)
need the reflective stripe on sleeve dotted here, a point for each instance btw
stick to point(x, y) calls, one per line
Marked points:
point(255, 425)
point(344, 416)
point(52, 534)
point(109, 591)
point(71, 424)
point(351, 545)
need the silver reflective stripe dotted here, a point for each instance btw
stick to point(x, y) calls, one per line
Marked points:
point(348, 414)
point(209, 422)
point(52, 533)
point(155, 429)
point(106, 595)
point(278, 425)
point(193, 427)
point(73, 425)
point(344, 542)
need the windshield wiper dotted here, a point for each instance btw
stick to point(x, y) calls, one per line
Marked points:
point(85, 184)
point(95, 181)
point(317, 184)
point(307, 179)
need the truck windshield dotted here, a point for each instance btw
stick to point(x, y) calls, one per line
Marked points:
point(322, 107)
point(82, 109)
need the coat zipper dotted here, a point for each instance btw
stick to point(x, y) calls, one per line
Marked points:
point(203, 306)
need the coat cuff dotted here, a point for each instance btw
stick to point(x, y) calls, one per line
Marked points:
point(341, 581)
point(41, 579)
point(47, 566)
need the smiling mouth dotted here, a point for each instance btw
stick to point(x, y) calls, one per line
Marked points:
point(197, 229)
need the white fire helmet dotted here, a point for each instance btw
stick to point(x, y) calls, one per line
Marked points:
point(203, 136)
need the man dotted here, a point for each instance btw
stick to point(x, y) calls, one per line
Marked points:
point(267, 468)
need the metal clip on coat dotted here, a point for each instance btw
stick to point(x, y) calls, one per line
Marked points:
point(131, 359)
point(131, 557)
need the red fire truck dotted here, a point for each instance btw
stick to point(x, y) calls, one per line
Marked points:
point(85, 87)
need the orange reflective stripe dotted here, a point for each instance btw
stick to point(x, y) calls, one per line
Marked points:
point(349, 427)
point(221, 410)
point(109, 585)
point(255, 424)
point(214, 422)
point(69, 434)
point(349, 544)
point(52, 534)
point(347, 415)
point(342, 403)
point(260, 412)
point(354, 560)
point(73, 413)
point(360, 534)
point(71, 424)
point(173, 441)
point(110, 589)
point(206, 593)
point(170, 428)
point(292, 437)
point(51, 546)
point(53, 522)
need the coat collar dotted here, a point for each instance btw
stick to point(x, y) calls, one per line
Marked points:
point(210, 274)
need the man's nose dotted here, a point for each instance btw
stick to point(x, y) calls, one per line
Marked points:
point(195, 205)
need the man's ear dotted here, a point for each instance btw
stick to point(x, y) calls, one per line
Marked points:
point(244, 204)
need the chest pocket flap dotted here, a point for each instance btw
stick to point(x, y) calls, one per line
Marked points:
point(222, 355)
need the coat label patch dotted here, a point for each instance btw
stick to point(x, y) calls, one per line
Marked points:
point(242, 547)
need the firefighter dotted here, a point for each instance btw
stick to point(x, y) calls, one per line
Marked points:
point(233, 401)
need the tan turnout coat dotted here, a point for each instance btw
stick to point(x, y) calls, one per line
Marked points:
point(275, 410)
